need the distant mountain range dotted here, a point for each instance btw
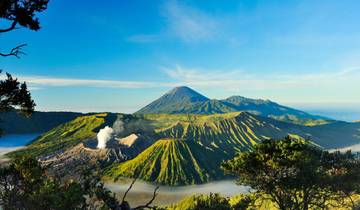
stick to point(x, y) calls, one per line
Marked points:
point(180, 100)
point(38, 122)
point(184, 100)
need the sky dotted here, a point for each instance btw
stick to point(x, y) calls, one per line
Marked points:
point(120, 55)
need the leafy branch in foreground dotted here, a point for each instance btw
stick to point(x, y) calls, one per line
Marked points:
point(296, 175)
point(20, 13)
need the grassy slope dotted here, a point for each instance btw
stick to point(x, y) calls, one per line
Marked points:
point(237, 129)
point(65, 135)
point(198, 144)
point(172, 162)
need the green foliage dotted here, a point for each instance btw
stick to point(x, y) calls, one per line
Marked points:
point(14, 95)
point(297, 175)
point(22, 13)
point(23, 185)
point(203, 202)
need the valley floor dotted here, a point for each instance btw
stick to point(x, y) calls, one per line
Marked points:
point(143, 191)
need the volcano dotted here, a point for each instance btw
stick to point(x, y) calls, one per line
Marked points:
point(184, 100)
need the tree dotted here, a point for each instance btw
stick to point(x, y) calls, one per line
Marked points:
point(20, 13)
point(294, 174)
point(23, 185)
point(15, 96)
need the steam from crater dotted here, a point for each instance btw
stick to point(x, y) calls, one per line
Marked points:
point(118, 126)
point(122, 128)
point(104, 136)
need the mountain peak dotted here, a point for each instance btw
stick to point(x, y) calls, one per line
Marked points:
point(185, 93)
point(177, 100)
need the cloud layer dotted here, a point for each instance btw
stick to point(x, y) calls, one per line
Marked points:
point(224, 79)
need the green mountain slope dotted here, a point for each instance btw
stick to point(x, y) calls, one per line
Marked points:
point(203, 141)
point(183, 100)
point(66, 135)
point(172, 162)
point(232, 132)
point(189, 147)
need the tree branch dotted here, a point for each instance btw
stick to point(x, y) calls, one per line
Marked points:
point(147, 205)
point(131, 185)
point(16, 51)
point(12, 27)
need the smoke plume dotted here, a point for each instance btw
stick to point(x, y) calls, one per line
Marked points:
point(104, 136)
point(118, 126)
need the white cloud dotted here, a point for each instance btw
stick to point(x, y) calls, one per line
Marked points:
point(37, 82)
point(190, 24)
point(324, 87)
point(242, 80)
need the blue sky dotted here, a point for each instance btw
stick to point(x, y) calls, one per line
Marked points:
point(120, 55)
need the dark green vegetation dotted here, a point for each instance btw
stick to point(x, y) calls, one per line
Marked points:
point(23, 185)
point(296, 175)
point(38, 122)
point(208, 202)
point(183, 100)
point(188, 149)
point(15, 95)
